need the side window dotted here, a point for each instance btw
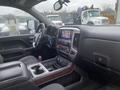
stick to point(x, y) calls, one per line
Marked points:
point(85, 15)
point(14, 22)
point(76, 41)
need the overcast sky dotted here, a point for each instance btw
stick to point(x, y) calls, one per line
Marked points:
point(73, 5)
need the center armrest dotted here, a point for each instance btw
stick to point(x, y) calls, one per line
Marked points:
point(13, 73)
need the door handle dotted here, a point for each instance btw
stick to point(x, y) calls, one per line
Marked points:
point(101, 59)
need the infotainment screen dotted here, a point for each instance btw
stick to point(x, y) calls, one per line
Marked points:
point(65, 34)
point(65, 37)
point(64, 40)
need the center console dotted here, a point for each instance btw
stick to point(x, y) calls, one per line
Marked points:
point(64, 41)
point(49, 70)
point(67, 43)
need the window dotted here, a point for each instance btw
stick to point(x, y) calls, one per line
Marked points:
point(76, 41)
point(13, 21)
point(94, 13)
point(85, 15)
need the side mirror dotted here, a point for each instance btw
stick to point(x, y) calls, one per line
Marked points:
point(32, 25)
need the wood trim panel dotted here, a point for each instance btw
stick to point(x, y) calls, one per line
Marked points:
point(52, 76)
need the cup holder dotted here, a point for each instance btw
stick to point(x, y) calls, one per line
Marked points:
point(37, 69)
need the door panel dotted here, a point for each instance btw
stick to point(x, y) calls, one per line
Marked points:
point(15, 47)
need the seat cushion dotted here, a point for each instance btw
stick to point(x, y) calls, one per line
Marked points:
point(28, 60)
point(53, 87)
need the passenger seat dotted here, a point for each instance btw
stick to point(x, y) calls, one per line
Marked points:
point(53, 87)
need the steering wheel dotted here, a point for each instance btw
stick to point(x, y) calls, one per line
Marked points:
point(37, 39)
point(38, 35)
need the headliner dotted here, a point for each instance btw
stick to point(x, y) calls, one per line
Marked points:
point(26, 4)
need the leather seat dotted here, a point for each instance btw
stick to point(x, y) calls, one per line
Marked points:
point(28, 60)
point(53, 87)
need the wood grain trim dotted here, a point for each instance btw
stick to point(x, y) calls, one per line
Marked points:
point(55, 75)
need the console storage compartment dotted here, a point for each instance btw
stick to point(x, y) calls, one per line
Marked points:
point(56, 63)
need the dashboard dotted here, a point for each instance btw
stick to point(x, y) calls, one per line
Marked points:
point(98, 51)
point(68, 39)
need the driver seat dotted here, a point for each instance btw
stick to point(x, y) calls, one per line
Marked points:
point(53, 87)
point(28, 60)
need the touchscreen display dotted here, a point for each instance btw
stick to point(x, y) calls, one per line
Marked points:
point(66, 35)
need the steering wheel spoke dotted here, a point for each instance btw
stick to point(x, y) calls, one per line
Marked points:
point(37, 39)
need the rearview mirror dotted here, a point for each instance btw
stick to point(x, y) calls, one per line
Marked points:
point(59, 4)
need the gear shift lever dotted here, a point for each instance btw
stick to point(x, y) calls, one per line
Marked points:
point(38, 70)
point(61, 62)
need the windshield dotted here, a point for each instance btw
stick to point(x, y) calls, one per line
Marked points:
point(94, 13)
point(73, 12)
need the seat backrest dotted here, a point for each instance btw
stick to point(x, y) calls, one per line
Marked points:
point(1, 59)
